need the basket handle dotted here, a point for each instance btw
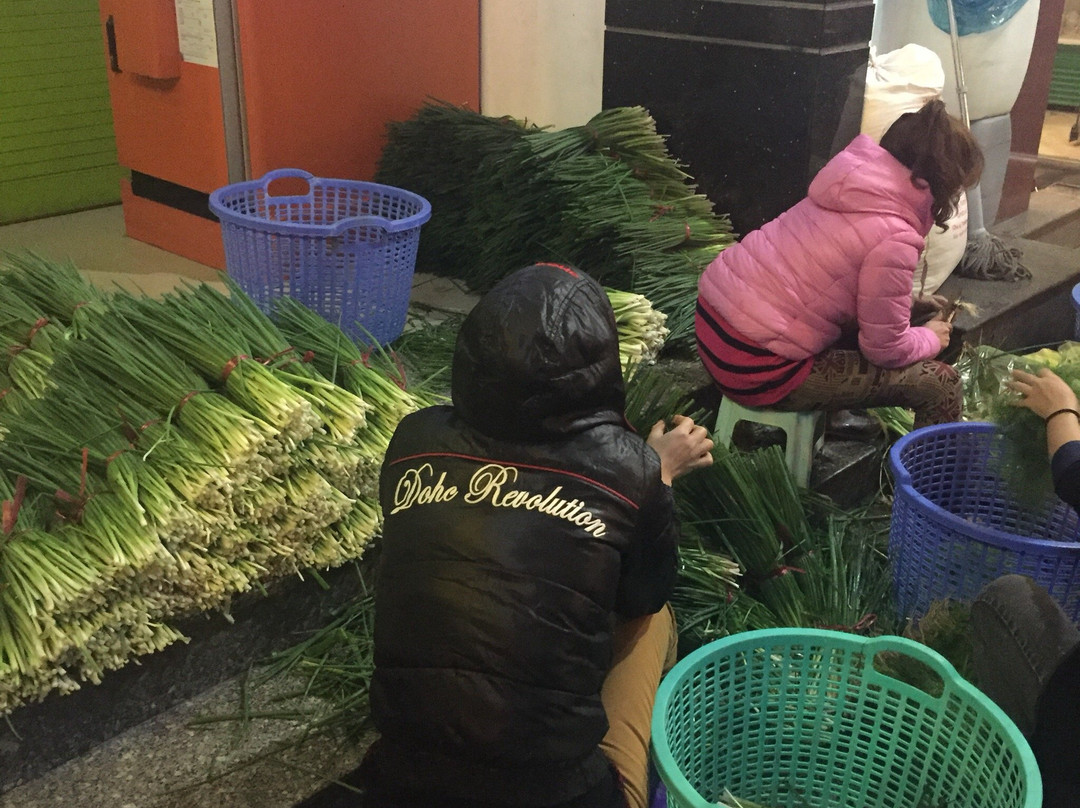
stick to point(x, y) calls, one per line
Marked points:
point(288, 173)
point(917, 651)
point(370, 220)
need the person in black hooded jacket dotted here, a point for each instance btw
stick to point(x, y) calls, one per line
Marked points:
point(528, 551)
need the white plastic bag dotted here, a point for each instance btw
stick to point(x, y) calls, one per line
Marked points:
point(995, 61)
point(943, 251)
point(897, 82)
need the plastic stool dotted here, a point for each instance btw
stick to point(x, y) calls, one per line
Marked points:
point(800, 428)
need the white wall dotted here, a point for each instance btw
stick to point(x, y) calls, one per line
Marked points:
point(542, 60)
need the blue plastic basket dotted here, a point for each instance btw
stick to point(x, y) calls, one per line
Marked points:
point(802, 718)
point(346, 249)
point(1076, 311)
point(956, 526)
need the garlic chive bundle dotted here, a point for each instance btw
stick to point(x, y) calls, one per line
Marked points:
point(202, 340)
point(372, 375)
point(54, 289)
point(28, 343)
point(119, 354)
point(606, 196)
point(356, 529)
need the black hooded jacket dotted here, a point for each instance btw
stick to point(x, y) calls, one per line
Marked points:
point(518, 523)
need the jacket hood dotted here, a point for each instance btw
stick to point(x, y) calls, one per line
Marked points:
point(538, 357)
point(865, 178)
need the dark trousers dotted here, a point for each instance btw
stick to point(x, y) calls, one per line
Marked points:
point(380, 794)
point(1027, 659)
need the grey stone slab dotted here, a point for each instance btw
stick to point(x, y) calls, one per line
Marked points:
point(1046, 206)
point(849, 471)
point(439, 294)
point(1028, 313)
point(38, 737)
point(177, 760)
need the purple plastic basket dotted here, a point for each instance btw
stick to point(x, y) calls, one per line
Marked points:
point(1076, 311)
point(956, 526)
point(346, 249)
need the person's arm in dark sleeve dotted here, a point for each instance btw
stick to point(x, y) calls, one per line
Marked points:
point(651, 563)
point(1065, 466)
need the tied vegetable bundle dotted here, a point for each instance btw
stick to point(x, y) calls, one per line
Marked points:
point(165, 456)
point(607, 197)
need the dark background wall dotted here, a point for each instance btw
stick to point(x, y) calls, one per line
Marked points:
point(755, 96)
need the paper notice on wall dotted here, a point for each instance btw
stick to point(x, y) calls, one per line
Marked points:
point(198, 39)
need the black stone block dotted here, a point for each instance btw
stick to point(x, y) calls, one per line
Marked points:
point(754, 97)
point(850, 471)
point(810, 24)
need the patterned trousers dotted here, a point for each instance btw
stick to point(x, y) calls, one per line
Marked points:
point(844, 380)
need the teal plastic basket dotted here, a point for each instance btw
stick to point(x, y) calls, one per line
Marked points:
point(801, 718)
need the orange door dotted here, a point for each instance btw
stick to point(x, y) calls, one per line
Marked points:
point(167, 112)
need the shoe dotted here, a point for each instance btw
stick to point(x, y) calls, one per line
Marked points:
point(852, 425)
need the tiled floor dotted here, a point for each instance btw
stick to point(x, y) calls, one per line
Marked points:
point(1055, 143)
point(94, 241)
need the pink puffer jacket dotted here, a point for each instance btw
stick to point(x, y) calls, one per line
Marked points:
point(845, 254)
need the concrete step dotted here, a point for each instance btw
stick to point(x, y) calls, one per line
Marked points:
point(178, 760)
point(1039, 311)
point(1024, 314)
point(98, 737)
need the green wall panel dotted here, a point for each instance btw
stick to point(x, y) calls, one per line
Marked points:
point(57, 149)
point(1065, 78)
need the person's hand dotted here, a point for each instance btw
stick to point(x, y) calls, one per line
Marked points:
point(924, 309)
point(942, 330)
point(1042, 394)
point(1046, 394)
point(682, 448)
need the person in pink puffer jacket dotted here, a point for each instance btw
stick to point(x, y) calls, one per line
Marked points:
point(777, 312)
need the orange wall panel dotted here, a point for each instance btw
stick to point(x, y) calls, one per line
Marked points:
point(193, 237)
point(169, 128)
point(321, 80)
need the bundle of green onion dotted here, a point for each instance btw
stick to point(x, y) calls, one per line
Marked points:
point(1024, 464)
point(804, 562)
point(641, 328)
point(166, 455)
point(607, 197)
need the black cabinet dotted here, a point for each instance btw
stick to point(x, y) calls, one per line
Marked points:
point(755, 95)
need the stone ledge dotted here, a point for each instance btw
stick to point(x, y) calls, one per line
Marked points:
point(41, 736)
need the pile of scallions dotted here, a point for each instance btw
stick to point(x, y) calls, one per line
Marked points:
point(160, 456)
point(606, 196)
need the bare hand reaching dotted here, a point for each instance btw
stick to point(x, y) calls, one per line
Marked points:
point(1045, 395)
point(682, 448)
point(1042, 394)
